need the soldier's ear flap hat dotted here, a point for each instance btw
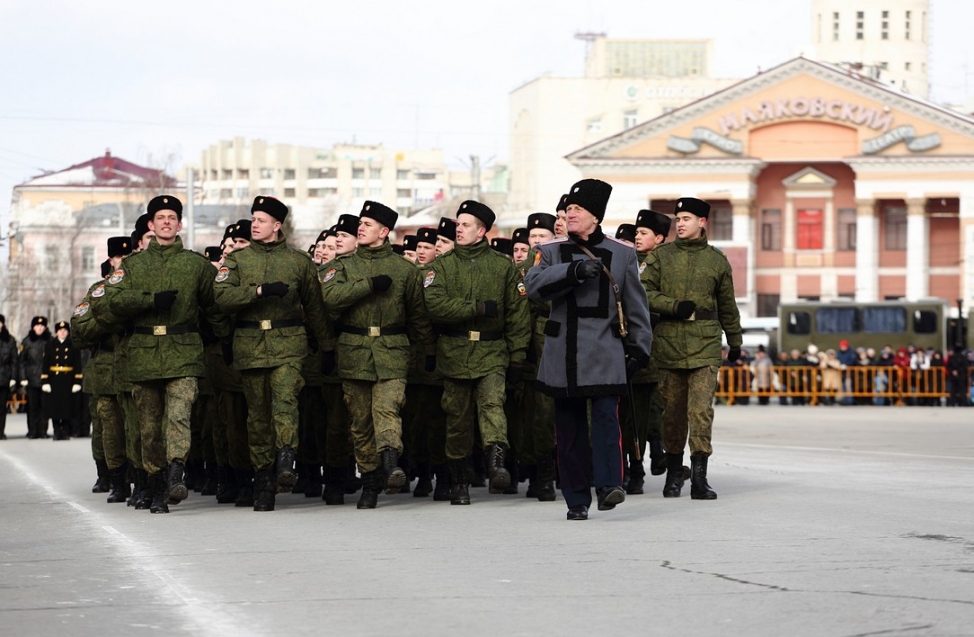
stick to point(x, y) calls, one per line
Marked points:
point(655, 221)
point(241, 229)
point(479, 210)
point(426, 235)
point(213, 253)
point(520, 236)
point(591, 194)
point(562, 204)
point(502, 245)
point(447, 228)
point(626, 232)
point(119, 246)
point(347, 224)
point(274, 207)
point(380, 212)
point(38, 320)
point(694, 206)
point(542, 220)
point(142, 226)
point(165, 202)
point(62, 325)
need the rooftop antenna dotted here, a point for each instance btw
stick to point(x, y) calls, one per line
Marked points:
point(588, 37)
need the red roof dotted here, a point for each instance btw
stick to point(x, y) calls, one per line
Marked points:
point(105, 171)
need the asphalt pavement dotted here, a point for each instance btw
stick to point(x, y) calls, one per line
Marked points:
point(830, 521)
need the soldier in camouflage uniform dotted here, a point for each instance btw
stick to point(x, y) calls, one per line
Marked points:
point(651, 230)
point(483, 326)
point(690, 284)
point(273, 292)
point(380, 304)
point(446, 236)
point(163, 289)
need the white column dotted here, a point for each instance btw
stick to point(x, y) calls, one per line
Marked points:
point(967, 249)
point(917, 250)
point(788, 227)
point(867, 251)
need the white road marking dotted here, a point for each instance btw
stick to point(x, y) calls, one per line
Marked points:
point(842, 450)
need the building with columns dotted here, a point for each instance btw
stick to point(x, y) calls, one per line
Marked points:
point(825, 185)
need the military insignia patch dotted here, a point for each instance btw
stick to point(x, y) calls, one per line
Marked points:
point(81, 309)
point(117, 276)
point(537, 257)
point(222, 275)
point(429, 278)
point(98, 292)
point(329, 275)
point(642, 266)
point(521, 290)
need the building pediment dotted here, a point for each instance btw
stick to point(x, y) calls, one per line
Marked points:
point(808, 178)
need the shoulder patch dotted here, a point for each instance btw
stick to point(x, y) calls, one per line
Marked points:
point(642, 266)
point(429, 278)
point(82, 308)
point(329, 275)
point(98, 292)
point(222, 274)
point(521, 290)
point(117, 276)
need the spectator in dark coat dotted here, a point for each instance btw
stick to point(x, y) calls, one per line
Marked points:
point(61, 381)
point(8, 372)
point(31, 364)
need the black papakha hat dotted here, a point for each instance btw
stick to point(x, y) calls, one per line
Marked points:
point(397, 248)
point(562, 204)
point(520, 236)
point(321, 236)
point(106, 268)
point(348, 224)
point(119, 246)
point(229, 229)
point(591, 194)
point(447, 228)
point(38, 320)
point(502, 245)
point(426, 235)
point(380, 212)
point(213, 253)
point(165, 202)
point(694, 206)
point(479, 210)
point(62, 325)
point(626, 232)
point(655, 221)
point(241, 230)
point(141, 226)
point(274, 207)
point(409, 242)
point(542, 220)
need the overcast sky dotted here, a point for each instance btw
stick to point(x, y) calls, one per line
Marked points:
point(156, 82)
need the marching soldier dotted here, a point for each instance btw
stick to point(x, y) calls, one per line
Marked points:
point(446, 236)
point(690, 284)
point(409, 247)
point(273, 292)
point(482, 322)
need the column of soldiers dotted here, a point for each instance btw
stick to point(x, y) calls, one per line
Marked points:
point(259, 369)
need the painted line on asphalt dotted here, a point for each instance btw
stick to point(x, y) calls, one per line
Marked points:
point(898, 454)
point(201, 618)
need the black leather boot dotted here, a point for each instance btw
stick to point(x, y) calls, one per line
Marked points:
point(533, 483)
point(500, 477)
point(178, 491)
point(334, 493)
point(442, 491)
point(546, 479)
point(194, 475)
point(699, 489)
point(657, 459)
point(395, 476)
point(120, 486)
point(674, 475)
point(265, 489)
point(158, 487)
point(103, 482)
point(209, 485)
point(424, 484)
point(302, 482)
point(286, 475)
point(137, 486)
point(373, 483)
point(459, 487)
point(245, 488)
point(637, 476)
point(312, 488)
point(145, 493)
point(351, 482)
point(226, 485)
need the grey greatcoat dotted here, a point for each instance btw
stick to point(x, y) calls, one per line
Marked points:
point(583, 357)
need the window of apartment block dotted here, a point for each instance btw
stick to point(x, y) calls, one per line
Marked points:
point(907, 33)
point(835, 26)
point(771, 229)
point(358, 192)
point(404, 193)
point(358, 173)
point(289, 192)
point(289, 173)
point(859, 22)
point(314, 192)
point(846, 227)
point(213, 174)
point(375, 173)
point(267, 173)
point(375, 193)
point(227, 173)
point(226, 193)
point(629, 119)
point(87, 258)
point(885, 26)
point(906, 66)
point(402, 174)
point(266, 191)
point(51, 257)
point(768, 304)
point(425, 175)
point(895, 234)
point(243, 193)
point(720, 226)
point(809, 229)
point(243, 173)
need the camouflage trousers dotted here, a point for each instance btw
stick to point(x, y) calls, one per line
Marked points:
point(373, 408)
point(133, 433)
point(337, 447)
point(272, 410)
point(648, 417)
point(424, 423)
point(688, 399)
point(230, 444)
point(165, 409)
point(106, 411)
point(97, 447)
point(460, 398)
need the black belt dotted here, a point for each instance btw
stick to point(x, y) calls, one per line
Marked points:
point(391, 330)
point(270, 324)
point(698, 315)
point(165, 330)
point(470, 335)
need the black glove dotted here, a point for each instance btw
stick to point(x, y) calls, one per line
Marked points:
point(514, 374)
point(430, 364)
point(684, 309)
point(733, 354)
point(380, 283)
point(227, 353)
point(327, 362)
point(587, 269)
point(634, 364)
point(277, 288)
point(487, 309)
point(164, 300)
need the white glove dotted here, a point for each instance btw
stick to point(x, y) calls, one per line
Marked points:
point(46, 388)
point(23, 383)
point(13, 384)
point(75, 389)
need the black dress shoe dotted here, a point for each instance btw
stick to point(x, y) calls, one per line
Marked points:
point(578, 513)
point(609, 497)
